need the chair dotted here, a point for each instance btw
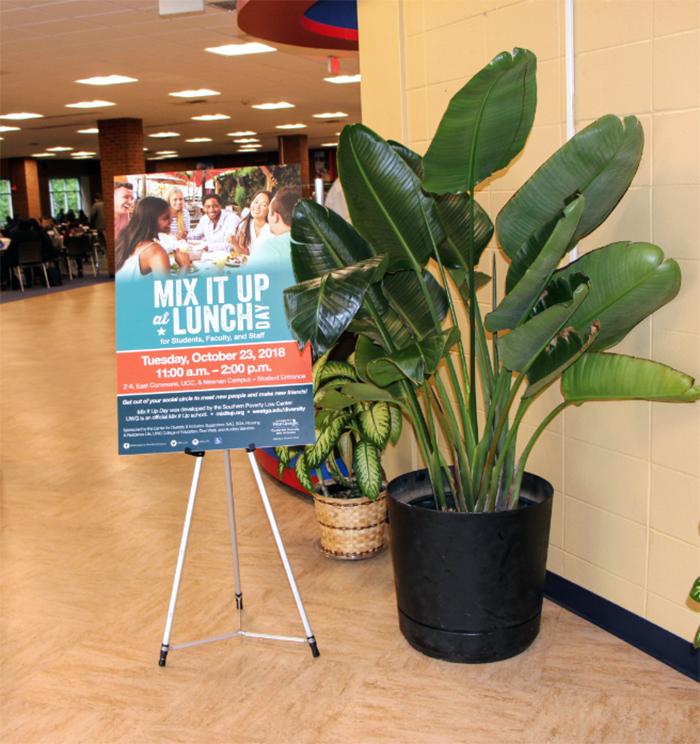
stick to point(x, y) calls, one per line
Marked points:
point(30, 256)
point(78, 247)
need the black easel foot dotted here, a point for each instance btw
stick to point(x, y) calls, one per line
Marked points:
point(239, 601)
point(163, 654)
point(314, 647)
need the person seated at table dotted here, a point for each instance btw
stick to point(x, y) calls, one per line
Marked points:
point(27, 231)
point(275, 253)
point(123, 205)
point(216, 225)
point(253, 228)
point(179, 216)
point(82, 218)
point(137, 251)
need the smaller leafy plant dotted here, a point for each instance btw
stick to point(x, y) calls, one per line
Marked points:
point(350, 437)
point(695, 596)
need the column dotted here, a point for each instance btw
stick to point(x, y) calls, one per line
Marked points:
point(26, 197)
point(121, 154)
point(294, 150)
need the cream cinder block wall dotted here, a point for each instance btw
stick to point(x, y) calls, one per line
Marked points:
point(627, 475)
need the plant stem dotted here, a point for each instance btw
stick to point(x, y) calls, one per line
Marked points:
point(499, 427)
point(515, 488)
point(464, 500)
point(510, 441)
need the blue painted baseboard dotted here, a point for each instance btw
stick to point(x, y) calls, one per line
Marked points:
point(661, 644)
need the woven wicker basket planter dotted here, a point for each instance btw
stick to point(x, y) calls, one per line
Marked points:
point(351, 529)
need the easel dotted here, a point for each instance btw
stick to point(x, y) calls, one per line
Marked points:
point(166, 646)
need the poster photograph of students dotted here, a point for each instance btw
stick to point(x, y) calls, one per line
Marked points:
point(205, 358)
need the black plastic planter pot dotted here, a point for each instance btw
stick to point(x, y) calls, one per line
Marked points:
point(468, 586)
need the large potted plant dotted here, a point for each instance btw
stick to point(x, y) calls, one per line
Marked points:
point(349, 488)
point(470, 532)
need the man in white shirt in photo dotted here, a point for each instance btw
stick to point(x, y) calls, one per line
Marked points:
point(216, 225)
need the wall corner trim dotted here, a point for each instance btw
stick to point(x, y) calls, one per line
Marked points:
point(663, 645)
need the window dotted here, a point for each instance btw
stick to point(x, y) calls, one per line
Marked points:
point(65, 195)
point(5, 200)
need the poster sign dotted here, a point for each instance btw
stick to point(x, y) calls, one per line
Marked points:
point(205, 359)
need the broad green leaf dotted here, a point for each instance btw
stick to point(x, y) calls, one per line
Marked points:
point(695, 590)
point(345, 447)
point(408, 317)
point(566, 347)
point(522, 346)
point(336, 368)
point(316, 368)
point(454, 213)
point(284, 457)
point(323, 241)
point(598, 162)
point(332, 399)
point(403, 364)
point(485, 125)
point(560, 289)
point(412, 159)
point(420, 311)
point(369, 392)
point(696, 639)
point(629, 281)
point(367, 469)
point(319, 310)
point(516, 305)
point(620, 377)
point(396, 424)
point(385, 200)
point(326, 440)
point(461, 279)
point(303, 474)
point(375, 424)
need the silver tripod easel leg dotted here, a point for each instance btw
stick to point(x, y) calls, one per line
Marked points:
point(283, 553)
point(166, 646)
point(232, 531)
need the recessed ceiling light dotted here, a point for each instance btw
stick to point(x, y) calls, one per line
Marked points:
point(82, 157)
point(198, 139)
point(90, 104)
point(163, 157)
point(240, 134)
point(250, 147)
point(272, 106)
point(22, 115)
point(343, 79)
point(244, 140)
point(92, 130)
point(9, 129)
point(235, 50)
point(58, 148)
point(1, 139)
point(211, 117)
point(166, 152)
point(194, 93)
point(291, 126)
point(43, 154)
point(164, 135)
point(107, 80)
point(329, 144)
point(83, 153)
point(330, 115)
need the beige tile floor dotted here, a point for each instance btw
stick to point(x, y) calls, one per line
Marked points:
point(89, 542)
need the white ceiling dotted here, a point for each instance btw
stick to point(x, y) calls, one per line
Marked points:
point(45, 45)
